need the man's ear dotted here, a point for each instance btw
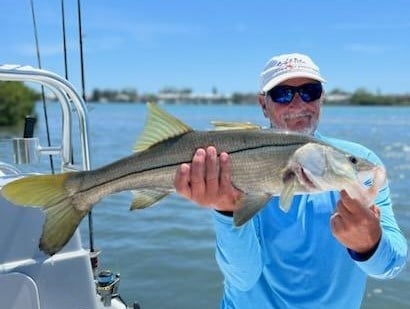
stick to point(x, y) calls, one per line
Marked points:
point(262, 103)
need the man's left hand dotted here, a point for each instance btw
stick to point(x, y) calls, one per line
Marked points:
point(355, 225)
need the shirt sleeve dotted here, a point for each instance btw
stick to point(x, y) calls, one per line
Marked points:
point(238, 252)
point(389, 258)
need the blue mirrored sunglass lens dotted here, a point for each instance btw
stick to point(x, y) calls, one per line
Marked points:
point(310, 92)
point(284, 94)
point(306, 96)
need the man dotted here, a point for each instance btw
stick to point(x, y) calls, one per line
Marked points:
point(317, 255)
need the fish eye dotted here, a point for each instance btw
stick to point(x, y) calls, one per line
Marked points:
point(353, 159)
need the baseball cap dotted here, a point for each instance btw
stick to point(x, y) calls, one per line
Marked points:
point(286, 66)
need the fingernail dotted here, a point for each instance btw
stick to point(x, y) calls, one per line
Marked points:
point(211, 151)
point(184, 168)
point(224, 157)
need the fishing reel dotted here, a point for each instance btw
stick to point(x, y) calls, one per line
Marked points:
point(107, 286)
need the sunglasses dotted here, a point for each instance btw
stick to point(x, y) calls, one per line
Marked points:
point(284, 94)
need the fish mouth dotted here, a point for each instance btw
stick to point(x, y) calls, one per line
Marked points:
point(304, 177)
point(305, 180)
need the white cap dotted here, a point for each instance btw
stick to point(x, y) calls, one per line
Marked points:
point(283, 67)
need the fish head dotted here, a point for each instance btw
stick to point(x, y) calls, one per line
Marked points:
point(318, 167)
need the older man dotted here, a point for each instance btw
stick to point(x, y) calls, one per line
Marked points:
point(320, 253)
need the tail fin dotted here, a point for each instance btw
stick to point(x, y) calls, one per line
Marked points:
point(49, 193)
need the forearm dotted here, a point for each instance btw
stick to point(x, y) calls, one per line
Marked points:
point(388, 259)
point(238, 252)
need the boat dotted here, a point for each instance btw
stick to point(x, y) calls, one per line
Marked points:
point(28, 277)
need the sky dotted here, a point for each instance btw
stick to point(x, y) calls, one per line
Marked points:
point(215, 44)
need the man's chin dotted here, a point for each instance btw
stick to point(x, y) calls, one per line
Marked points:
point(303, 128)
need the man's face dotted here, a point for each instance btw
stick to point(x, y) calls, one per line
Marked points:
point(297, 116)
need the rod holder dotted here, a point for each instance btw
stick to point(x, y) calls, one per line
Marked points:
point(26, 150)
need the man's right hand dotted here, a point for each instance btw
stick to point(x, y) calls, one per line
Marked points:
point(207, 180)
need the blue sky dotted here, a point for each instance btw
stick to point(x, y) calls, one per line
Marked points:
point(149, 45)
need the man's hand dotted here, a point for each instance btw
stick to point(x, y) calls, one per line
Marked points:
point(355, 225)
point(207, 180)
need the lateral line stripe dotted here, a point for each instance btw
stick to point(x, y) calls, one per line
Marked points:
point(180, 162)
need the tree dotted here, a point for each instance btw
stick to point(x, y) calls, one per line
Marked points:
point(16, 101)
point(338, 91)
point(363, 97)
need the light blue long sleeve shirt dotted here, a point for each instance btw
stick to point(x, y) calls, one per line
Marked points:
point(292, 260)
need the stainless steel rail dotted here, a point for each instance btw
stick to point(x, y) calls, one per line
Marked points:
point(69, 100)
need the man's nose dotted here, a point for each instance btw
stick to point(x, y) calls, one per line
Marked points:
point(297, 100)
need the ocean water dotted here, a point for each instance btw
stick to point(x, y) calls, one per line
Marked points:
point(165, 254)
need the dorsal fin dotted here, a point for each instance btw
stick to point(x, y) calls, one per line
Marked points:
point(234, 125)
point(159, 126)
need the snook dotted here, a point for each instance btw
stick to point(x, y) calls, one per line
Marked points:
point(263, 164)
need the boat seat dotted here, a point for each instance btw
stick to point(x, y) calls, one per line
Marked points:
point(18, 291)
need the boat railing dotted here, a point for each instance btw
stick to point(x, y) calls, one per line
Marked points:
point(69, 101)
point(25, 273)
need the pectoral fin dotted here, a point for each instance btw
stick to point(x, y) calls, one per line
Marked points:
point(289, 187)
point(248, 206)
point(147, 197)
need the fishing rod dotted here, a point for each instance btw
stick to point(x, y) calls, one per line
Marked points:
point(65, 57)
point(43, 96)
point(93, 253)
point(64, 40)
point(81, 50)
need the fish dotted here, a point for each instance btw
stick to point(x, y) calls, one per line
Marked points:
point(264, 162)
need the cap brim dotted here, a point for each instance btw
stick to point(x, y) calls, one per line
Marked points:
point(276, 81)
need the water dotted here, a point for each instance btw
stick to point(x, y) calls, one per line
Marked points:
point(165, 254)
